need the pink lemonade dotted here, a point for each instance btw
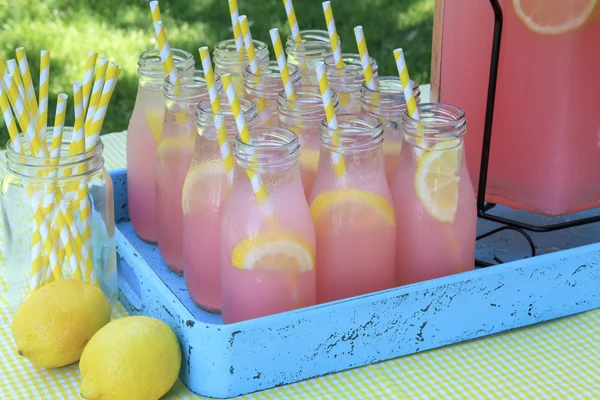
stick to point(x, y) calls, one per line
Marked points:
point(353, 214)
point(205, 193)
point(268, 251)
point(143, 134)
point(545, 153)
point(433, 199)
point(347, 81)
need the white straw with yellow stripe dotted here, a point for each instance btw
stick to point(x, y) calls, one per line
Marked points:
point(92, 136)
point(365, 60)
point(339, 165)
point(13, 69)
point(42, 114)
point(77, 145)
point(9, 121)
point(411, 103)
point(293, 21)
point(248, 44)
point(282, 63)
point(155, 10)
point(235, 25)
point(96, 92)
point(258, 186)
point(88, 79)
point(27, 82)
point(215, 104)
point(163, 44)
point(334, 39)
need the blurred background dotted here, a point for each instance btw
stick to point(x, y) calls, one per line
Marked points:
point(121, 30)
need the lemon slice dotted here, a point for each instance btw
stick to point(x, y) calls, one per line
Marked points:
point(283, 251)
point(154, 119)
point(554, 17)
point(391, 147)
point(309, 158)
point(196, 181)
point(363, 205)
point(436, 180)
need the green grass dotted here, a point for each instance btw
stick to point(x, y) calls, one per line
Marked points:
point(121, 30)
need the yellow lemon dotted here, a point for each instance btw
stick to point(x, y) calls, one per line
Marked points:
point(197, 180)
point(130, 358)
point(282, 250)
point(53, 325)
point(358, 205)
point(155, 120)
point(436, 179)
point(554, 17)
point(309, 158)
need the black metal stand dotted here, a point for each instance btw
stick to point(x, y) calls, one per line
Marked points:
point(482, 206)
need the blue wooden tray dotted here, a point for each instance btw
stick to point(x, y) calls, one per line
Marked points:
point(229, 360)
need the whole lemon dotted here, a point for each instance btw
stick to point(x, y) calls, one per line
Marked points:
point(130, 358)
point(55, 322)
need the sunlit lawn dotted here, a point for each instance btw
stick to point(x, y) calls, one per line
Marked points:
point(121, 30)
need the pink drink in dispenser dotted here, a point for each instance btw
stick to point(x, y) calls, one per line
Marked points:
point(303, 116)
point(436, 217)
point(143, 134)
point(352, 211)
point(268, 249)
point(545, 147)
point(175, 150)
point(205, 193)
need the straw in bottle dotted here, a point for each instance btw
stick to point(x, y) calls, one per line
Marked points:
point(411, 103)
point(364, 58)
point(42, 114)
point(235, 25)
point(334, 39)
point(282, 63)
point(261, 103)
point(163, 44)
point(292, 21)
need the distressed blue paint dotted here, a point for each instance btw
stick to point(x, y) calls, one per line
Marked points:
point(228, 360)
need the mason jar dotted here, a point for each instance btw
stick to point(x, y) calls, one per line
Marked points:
point(315, 47)
point(35, 250)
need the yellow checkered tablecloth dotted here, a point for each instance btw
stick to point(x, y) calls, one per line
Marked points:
point(559, 359)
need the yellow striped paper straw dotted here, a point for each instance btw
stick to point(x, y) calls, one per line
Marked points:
point(88, 79)
point(77, 145)
point(165, 52)
point(11, 125)
point(365, 60)
point(96, 92)
point(42, 114)
point(258, 186)
point(282, 63)
point(292, 20)
point(411, 103)
point(248, 44)
point(92, 136)
point(215, 103)
point(2, 68)
point(27, 82)
point(339, 165)
point(155, 10)
point(235, 25)
point(334, 39)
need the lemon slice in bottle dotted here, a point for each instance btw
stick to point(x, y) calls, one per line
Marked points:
point(284, 251)
point(551, 17)
point(309, 159)
point(197, 180)
point(436, 179)
point(359, 206)
point(154, 119)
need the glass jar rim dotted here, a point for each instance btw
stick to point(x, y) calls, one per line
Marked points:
point(387, 99)
point(367, 136)
point(256, 153)
point(272, 70)
point(229, 46)
point(204, 107)
point(352, 62)
point(149, 61)
point(311, 37)
point(437, 122)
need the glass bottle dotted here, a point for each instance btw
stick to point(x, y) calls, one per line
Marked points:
point(228, 59)
point(304, 116)
point(264, 90)
point(351, 207)
point(174, 154)
point(25, 181)
point(204, 196)
point(347, 81)
point(314, 47)
point(268, 250)
point(387, 103)
point(143, 133)
point(433, 197)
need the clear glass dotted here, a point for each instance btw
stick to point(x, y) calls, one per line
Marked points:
point(545, 150)
point(433, 197)
point(174, 154)
point(303, 117)
point(347, 81)
point(26, 181)
point(314, 47)
point(264, 90)
point(205, 192)
point(387, 103)
point(352, 211)
point(228, 59)
point(268, 250)
point(143, 133)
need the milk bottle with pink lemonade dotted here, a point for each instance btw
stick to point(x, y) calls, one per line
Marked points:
point(264, 88)
point(303, 116)
point(143, 134)
point(436, 216)
point(351, 207)
point(267, 248)
point(347, 81)
point(387, 103)
point(174, 154)
point(205, 192)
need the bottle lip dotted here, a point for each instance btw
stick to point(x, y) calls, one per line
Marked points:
point(357, 133)
point(227, 48)
point(271, 149)
point(268, 82)
point(35, 165)
point(387, 99)
point(149, 62)
point(308, 104)
point(438, 121)
point(192, 84)
point(315, 42)
point(205, 115)
point(352, 63)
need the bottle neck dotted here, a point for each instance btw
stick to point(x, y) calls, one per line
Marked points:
point(189, 91)
point(272, 150)
point(356, 133)
point(268, 84)
point(207, 121)
point(438, 124)
point(387, 99)
point(228, 59)
point(315, 46)
point(306, 110)
point(350, 78)
point(150, 68)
